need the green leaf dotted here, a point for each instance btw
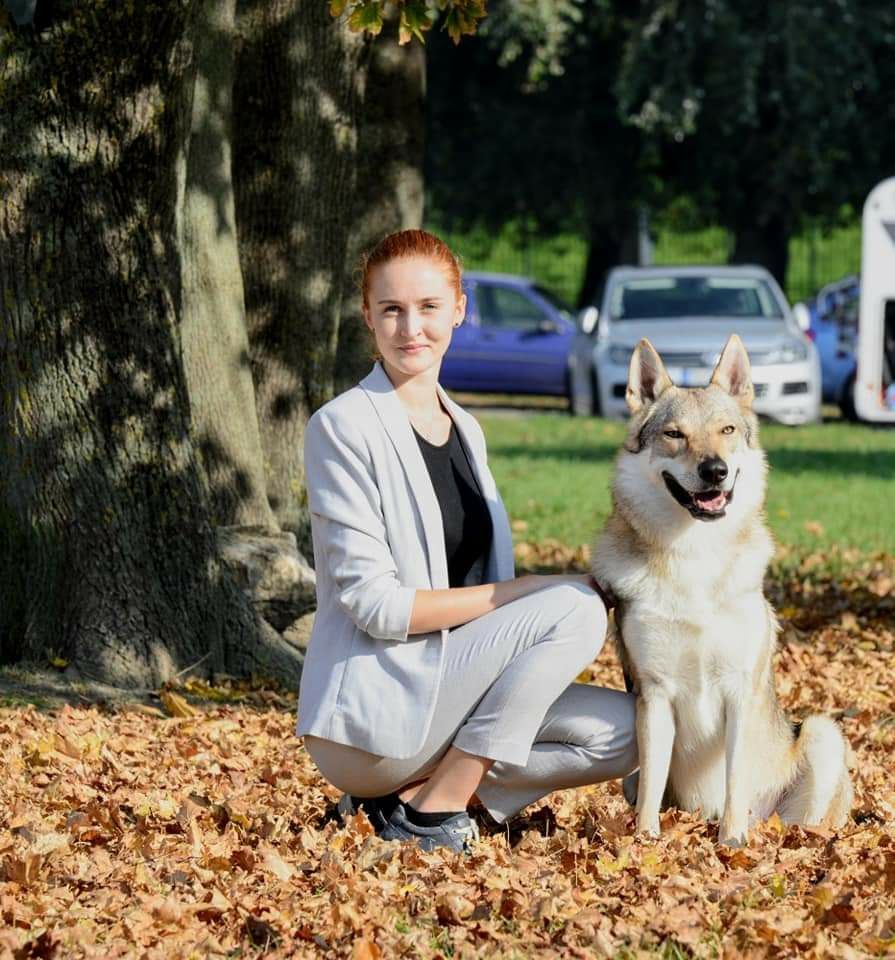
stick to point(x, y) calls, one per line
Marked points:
point(463, 18)
point(416, 19)
point(337, 7)
point(366, 17)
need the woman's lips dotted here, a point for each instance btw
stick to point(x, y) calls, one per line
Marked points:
point(413, 347)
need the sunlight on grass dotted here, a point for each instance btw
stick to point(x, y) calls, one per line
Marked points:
point(830, 485)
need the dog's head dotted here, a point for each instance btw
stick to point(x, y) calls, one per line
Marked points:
point(691, 453)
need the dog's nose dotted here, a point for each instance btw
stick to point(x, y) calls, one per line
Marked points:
point(713, 470)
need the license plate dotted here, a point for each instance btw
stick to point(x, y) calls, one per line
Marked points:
point(688, 376)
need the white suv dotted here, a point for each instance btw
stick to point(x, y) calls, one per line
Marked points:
point(687, 313)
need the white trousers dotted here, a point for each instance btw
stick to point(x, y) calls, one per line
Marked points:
point(507, 693)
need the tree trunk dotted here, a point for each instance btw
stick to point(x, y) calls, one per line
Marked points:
point(215, 341)
point(388, 195)
point(609, 244)
point(765, 243)
point(299, 84)
point(108, 556)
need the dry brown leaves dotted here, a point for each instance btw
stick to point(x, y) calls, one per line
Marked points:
point(202, 834)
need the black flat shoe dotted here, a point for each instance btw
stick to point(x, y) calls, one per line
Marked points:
point(377, 809)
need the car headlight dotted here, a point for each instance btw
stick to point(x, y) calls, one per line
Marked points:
point(620, 356)
point(793, 351)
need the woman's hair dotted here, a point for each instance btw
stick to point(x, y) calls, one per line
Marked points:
point(410, 243)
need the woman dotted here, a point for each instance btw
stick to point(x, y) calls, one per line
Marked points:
point(434, 677)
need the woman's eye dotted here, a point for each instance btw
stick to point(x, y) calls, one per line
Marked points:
point(392, 308)
point(728, 429)
point(674, 435)
point(428, 306)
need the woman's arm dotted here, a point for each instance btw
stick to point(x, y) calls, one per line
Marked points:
point(443, 609)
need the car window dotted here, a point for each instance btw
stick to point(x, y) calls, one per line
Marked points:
point(561, 306)
point(507, 309)
point(654, 298)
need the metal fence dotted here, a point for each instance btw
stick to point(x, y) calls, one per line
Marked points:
point(816, 256)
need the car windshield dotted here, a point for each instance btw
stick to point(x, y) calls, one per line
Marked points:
point(554, 301)
point(660, 298)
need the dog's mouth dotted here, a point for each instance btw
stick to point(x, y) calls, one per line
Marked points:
point(703, 504)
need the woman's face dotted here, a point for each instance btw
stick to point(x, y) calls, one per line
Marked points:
point(412, 310)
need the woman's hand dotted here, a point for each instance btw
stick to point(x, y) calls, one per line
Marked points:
point(444, 609)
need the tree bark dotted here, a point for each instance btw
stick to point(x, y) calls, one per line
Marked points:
point(766, 243)
point(609, 244)
point(388, 194)
point(108, 554)
point(215, 340)
point(299, 85)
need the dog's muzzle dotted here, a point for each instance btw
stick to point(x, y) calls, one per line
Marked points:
point(703, 504)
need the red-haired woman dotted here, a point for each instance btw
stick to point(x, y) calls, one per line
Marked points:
point(433, 675)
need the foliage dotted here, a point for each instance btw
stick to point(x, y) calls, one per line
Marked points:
point(524, 125)
point(202, 834)
point(767, 111)
point(416, 17)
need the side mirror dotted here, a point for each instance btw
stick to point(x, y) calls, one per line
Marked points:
point(802, 316)
point(588, 319)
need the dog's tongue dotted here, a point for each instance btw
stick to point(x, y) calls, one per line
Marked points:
point(711, 500)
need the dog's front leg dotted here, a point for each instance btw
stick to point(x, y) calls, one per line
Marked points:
point(734, 826)
point(655, 741)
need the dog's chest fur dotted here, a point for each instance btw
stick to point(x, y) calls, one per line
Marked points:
point(695, 626)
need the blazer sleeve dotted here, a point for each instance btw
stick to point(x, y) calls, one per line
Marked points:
point(345, 501)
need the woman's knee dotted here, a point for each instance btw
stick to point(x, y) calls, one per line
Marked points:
point(613, 730)
point(587, 621)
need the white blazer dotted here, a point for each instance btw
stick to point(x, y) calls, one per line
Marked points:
point(378, 537)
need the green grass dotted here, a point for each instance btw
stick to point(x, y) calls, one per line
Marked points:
point(830, 485)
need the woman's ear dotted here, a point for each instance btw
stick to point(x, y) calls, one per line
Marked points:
point(460, 312)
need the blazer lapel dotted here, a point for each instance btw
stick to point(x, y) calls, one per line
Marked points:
point(394, 419)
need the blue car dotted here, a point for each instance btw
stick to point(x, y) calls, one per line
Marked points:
point(516, 339)
point(834, 329)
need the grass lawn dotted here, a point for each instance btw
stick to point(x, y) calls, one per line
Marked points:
point(830, 485)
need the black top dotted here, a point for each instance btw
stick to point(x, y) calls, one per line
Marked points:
point(464, 513)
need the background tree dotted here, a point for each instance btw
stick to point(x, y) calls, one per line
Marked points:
point(388, 189)
point(108, 554)
point(525, 124)
point(297, 99)
point(766, 112)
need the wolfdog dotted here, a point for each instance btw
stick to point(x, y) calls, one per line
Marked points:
point(685, 551)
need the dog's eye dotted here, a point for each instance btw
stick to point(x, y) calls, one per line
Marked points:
point(674, 435)
point(729, 429)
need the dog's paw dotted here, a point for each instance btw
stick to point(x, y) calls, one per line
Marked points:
point(733, 837)
point(630, 786)
point(648, 827)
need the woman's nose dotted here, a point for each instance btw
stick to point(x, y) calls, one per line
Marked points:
point(411, 322)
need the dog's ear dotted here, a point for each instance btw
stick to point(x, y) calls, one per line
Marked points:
point(733, 372)
point(647, 378)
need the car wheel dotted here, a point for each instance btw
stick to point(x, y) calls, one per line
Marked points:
point(595, 407)
point(847, 401)
point(578, 395)
point(585, 400)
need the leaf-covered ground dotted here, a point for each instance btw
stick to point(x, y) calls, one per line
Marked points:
point(199, 831)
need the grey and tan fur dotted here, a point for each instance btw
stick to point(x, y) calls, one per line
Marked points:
point(685, 551)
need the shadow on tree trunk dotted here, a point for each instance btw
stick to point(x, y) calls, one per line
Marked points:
point(109, 557)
